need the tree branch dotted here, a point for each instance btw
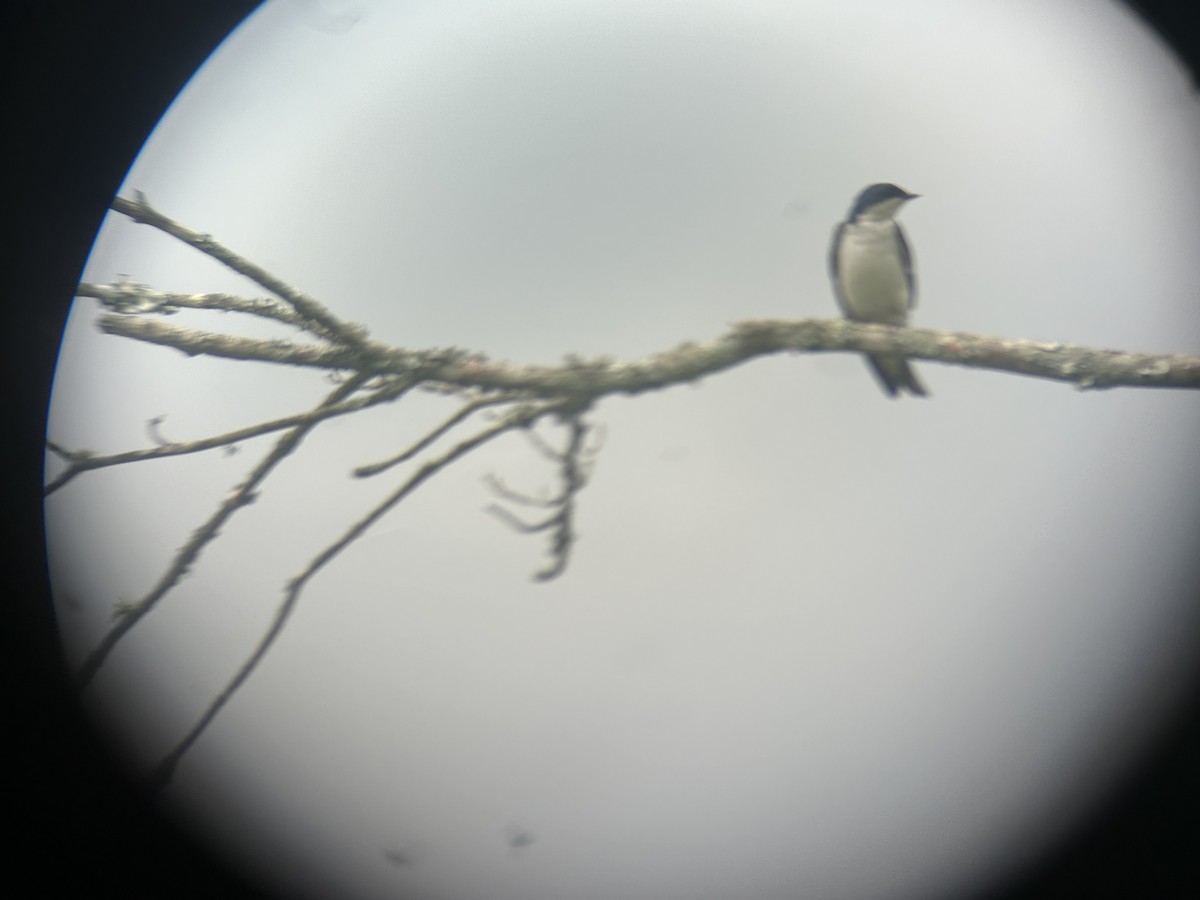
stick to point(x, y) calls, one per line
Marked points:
point(80, 461)
point(242, 495)
point(352, 350)
point(528, 394)
point(519, 417)
point(140, 210)
point(574, 465)
point(1084, 367)
point(128, 298)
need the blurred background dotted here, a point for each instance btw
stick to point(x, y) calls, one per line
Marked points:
point(811, 642)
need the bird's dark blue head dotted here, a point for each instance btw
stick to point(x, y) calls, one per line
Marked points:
point(876, 194)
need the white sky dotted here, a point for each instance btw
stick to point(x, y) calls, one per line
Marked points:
point(812, 642)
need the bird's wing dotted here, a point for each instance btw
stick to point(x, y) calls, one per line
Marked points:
point(907, 262)
point(834, 269)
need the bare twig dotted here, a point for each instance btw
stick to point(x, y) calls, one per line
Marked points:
point(504, 492)
point(84, 460)
point(544, 449)
point(242, 495)
point(127, 298)
point(140, 210)
point(466, 411)
point(574, 464)
point(519, 417)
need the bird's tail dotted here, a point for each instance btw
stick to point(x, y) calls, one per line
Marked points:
point(895, 375)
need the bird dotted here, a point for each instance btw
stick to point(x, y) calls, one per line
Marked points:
point(872, 272)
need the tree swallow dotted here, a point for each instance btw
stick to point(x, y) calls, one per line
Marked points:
point(872, 274)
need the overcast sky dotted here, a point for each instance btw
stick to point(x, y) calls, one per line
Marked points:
point(812, 642)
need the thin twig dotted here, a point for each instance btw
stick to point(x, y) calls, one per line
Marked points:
point(84, 460)
point(128, 298)
point(464, 412)
point(502, 490)
point(518, 418)
point(573, 463)
point(242, 495)
point(140, 210)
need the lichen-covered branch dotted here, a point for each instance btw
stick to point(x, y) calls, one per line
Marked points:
point(136, 314)
point(140, 210)
point(1084, 367)
point(508, 396)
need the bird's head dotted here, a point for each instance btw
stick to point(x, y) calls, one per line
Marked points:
point(879, 201)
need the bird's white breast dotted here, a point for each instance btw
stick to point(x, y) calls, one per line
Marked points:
point(873, 283)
